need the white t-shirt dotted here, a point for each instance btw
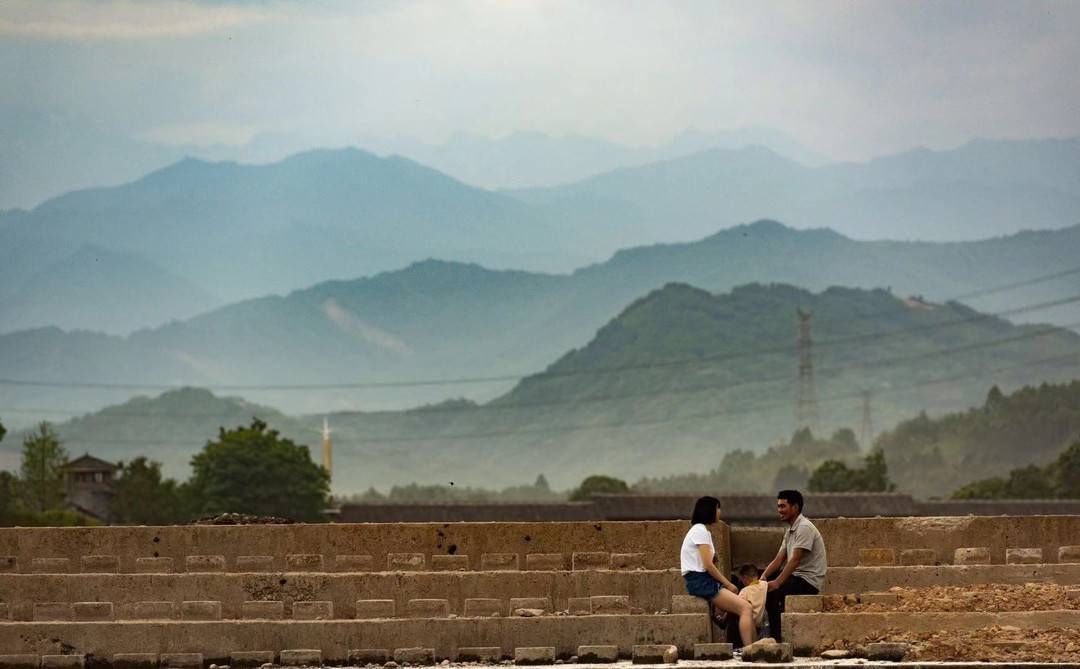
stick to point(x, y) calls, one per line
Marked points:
point(690, 557)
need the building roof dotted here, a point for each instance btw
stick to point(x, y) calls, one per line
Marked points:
point(88, 463)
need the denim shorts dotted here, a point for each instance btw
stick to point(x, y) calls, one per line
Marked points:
point(700, 584)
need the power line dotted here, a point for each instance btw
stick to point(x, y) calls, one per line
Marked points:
point(638, 423)
point(545, 375)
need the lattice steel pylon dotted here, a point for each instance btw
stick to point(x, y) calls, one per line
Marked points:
point(806, 406)
point(866, 427)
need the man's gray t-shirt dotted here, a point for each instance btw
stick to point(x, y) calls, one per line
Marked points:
point(803, 534)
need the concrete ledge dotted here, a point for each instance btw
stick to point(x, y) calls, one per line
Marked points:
point(1069, 554)
point(427, 608)
point(20, 661)
point(597, 654)
point(716, 652)
point(135, 660)
point(217, 639)
point(806, 630)
point(609, 604)
point(59, 565)
point(204, 610)
point(73, 661)
point(149, 611)
point(918, 556)
point(204, 563)
point(9, 563)
point(309, 610)
point(490, 654)
point(301, 657)
point(420, 656)
point(359, 657)
point(591, 560)
point(153, 565)
point(532, 603)
point(53, 611)
point(263, 610)
point(100, 564)
point(375, 608)
point(627, 561)
point(545, 562)
point(304, 562)
point(880, 598)
point(1023, 556)
point(484, 607)
point(655, 654)
point(967, 556)
point(533, 655)
point(405, 562)
point(689, 604)
point(579, 606)
point(92, 610)
point(843, 580)
point(876, 557)
point(354, 563)
point(182, 660)
point(449, 563)
point(499, 562)
point(257, 563)
point(803, 603)
point(251, 658)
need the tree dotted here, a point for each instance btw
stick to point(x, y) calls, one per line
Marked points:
point(875, 474)
point(144, 498)
point(42, 472)
point(3, 431)
point(594, 485)
point(832, 476)
point(1066, 472)
point(542, 483)
point(790, 477)
point(254, 470)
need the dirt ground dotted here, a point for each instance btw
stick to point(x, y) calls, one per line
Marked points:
point(990, 644)
point(989, 598)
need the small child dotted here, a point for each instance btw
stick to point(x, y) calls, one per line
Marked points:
point(754, 591)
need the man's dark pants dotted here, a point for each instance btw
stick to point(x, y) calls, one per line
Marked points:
point(774, 601)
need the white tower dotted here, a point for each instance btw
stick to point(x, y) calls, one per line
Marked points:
point(327, 449)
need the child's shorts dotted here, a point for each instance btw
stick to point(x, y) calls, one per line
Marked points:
point(700, 584)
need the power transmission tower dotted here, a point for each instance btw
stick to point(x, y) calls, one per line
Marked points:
point(866, 428)
point(806, 406)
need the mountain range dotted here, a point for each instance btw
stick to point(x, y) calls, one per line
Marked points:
point(201, 234)
point(667, 386)
point(445, 320)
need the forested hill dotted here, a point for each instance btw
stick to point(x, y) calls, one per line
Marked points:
point(1029, 426)
point(669, 385)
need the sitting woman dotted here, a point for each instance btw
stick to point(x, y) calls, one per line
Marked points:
point(703, 579)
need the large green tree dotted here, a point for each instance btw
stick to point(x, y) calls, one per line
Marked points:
point(42, 472)
point(254, 470)
point(835, 476)
point(143, 497)
point(593, 485)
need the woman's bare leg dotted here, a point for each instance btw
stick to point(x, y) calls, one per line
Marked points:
point(732, 603)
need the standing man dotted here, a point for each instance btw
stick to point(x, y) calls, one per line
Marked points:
point(802, 556)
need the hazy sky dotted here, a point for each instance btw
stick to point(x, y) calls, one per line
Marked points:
point(848, 79)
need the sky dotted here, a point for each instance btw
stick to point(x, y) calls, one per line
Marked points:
point(849, 80)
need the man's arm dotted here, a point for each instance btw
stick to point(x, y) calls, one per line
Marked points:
point(796, 557)
point(774, 565)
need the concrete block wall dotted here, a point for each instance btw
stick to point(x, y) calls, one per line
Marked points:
point(850, 541)
point(333, 547)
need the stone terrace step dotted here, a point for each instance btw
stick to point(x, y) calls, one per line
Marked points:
point(844, 580)
point(306, 547)
point(216, 641)
point(647, 590)
point(806, 631)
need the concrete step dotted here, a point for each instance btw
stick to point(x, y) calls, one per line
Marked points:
point(844, 580)
point(217, 640)
point(807, 631)
point(359, 547)
point(649, 590)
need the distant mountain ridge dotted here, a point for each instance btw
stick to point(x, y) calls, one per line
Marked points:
point(444, 320)
point(229, 231)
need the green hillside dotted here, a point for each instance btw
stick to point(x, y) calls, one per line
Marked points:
point(667, 387)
